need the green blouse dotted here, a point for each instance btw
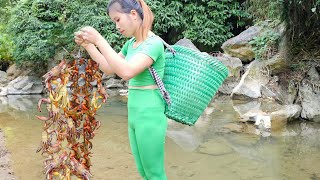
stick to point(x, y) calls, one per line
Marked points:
point(152, 47)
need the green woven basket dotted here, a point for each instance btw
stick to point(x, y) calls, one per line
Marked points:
point(192, 79)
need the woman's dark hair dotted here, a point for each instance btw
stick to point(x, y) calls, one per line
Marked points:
point(142, 9)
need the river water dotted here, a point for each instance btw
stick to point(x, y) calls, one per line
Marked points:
point(206, 151)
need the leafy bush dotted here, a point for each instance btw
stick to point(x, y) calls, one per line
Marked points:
point(6, 47)
point(301, 17)
point(6, 43)
point(264, 9)
point(303, 20)
point(205, 22)
point(265, 45)
point(41, 27)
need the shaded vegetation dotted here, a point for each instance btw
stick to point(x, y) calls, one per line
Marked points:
point(43, 27)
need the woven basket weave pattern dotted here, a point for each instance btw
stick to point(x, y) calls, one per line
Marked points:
point(192, 79)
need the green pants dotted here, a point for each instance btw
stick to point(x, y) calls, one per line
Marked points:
point(147, 130)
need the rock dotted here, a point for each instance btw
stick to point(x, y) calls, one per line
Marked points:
point(245, 109)
point(114, 83)
point(3, 91)
point(278, 90)
point(25, 85)
point(266, 112)
point(310, 101)
point(123, 92)
point(234, 66)
point(112, 92)
point(107, 77)
point(13, 72)
point(283, 47)
point(313, 75)
point(3, 79)
point(277, 64)
point(187, 43)
point(239, 46)
point(287, 113)
point(228, 86)
point(251, 82)
point(58, 57)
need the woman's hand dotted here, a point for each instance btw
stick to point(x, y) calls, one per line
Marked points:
point(91, 35)
point(78, 38)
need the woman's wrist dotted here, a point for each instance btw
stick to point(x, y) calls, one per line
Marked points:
point(100, 42)
point(89, 47)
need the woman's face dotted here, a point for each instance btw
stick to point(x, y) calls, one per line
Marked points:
point(126, 24)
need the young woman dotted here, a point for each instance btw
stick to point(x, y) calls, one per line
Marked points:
point(147, 123)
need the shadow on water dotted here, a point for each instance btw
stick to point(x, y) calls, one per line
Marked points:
point(202, 152)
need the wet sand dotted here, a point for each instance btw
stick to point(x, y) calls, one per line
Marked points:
point(6, 172)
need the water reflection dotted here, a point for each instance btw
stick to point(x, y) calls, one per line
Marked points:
point(203, 152)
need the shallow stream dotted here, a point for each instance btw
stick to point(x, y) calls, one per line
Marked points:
point(206, 151)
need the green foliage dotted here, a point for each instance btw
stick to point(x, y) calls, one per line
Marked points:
point(303, 22)
point(6, 6)
point(261, 10)
point(205, 22)
point(6, 46)
point(6, 43)
point(301, 17)
point(42, 27)
point(264, 46)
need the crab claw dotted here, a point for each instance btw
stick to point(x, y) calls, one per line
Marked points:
point(43, 118)
point(40, 102)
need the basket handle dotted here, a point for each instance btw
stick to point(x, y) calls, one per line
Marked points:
point(156, 77)
point(159, 82)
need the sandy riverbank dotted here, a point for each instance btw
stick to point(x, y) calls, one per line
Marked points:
point(6, 172)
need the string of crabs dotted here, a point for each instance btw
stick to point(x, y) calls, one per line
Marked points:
point(71, 122)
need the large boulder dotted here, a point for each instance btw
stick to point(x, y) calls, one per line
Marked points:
point(309, 96)
point(277, 115)
point(187, 43)
point(277, 64)
point(234, 66)
point(14, 71)
point(239, 46)
point(246, 108)
point(280, 89)
point(287, 113)
point(251, 82)
point(114, 83)
point(25, 85)
point(3, 91)
point(3, 83)
point(3, 79)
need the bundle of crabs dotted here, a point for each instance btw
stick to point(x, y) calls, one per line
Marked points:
point(68, 129)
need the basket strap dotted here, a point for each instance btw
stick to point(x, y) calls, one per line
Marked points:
point(168, 46)
point(160, 84)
